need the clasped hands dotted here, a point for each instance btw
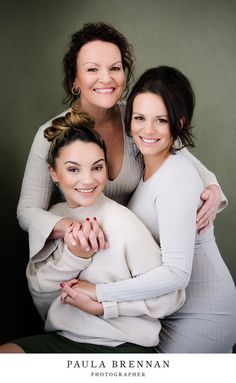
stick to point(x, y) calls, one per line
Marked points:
point(81, 294)
point(85, 239)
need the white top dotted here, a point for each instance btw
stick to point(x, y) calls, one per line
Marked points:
point(37, 185)
point(167, 204)
point(132, 251)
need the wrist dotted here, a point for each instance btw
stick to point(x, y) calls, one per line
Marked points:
point(80, 253)
point(99, 310)
point(59, 229)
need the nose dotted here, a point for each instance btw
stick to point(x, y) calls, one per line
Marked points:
point(105, 76)
point(86, 178)
point(149, 128)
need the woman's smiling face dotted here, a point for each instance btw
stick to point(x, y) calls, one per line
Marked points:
point(81, 173)
point(99, 75)
point(150, 126)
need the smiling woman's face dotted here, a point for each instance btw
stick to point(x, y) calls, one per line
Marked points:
point(99, 75)
point(81, 173)
point(150, 126)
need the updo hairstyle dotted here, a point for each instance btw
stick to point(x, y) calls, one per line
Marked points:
point(69, 128)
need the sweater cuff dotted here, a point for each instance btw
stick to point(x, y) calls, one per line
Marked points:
point(40, 230)
point(74, 261)
point(110, 310)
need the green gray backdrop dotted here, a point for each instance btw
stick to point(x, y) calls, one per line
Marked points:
point(198, 37)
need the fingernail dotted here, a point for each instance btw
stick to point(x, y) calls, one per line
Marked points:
point(87, 249)
point(94, 218)
point(87, 219)
point(62, 284)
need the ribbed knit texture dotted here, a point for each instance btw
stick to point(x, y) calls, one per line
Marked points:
point(167, 203)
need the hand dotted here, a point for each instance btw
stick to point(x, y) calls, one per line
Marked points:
point(72, 295)
point(59, 229)
point(207, 213)
point(88, 235)
point(77, 243)
point(84, 287)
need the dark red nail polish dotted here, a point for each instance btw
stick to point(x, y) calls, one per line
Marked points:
point(94, 218)
point(87, 219)
point(62, 284)
point(71, 224)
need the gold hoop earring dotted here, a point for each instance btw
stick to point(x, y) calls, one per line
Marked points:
point(75, 91)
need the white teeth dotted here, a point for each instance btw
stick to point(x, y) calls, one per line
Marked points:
point(85, 190)
point(149, 141)
point(105, 90)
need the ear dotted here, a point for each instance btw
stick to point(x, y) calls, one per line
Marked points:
point(182, 122)
point(76, 84)
point(53, 173)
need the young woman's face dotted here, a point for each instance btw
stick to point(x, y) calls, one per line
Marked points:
point(81, 173)
point(149, 125)
point(100, 75)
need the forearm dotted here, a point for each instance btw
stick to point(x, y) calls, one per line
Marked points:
point(153, 308)
point(60, 266)
point(152, 284)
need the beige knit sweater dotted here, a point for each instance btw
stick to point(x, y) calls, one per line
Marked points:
point(132, 251)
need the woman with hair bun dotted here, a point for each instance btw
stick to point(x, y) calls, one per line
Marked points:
point(77, 161)
point(98, 68)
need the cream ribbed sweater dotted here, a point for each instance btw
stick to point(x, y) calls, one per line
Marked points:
point(132, 251)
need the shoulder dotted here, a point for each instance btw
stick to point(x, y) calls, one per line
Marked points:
point(178, 165)
point(49, 122)
point(59, 209)
point(40, 144)
point(121, 217)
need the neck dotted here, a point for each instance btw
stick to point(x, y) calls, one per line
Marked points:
point(100, 115)
point(153, 163)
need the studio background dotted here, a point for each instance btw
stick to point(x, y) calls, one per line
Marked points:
point(198, 37)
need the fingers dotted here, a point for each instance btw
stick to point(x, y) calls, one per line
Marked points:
point(67, 294)
point(99, 234)
point(69, 237)
point(88, 235)
point(204, 224)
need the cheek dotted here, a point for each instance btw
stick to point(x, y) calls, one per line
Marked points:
point(133, 129)
point(121, 79)
point(103, 178)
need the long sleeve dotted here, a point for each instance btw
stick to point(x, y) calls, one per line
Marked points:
point(153, 308)
point(35, 194)
point(44, 277)
point(206, 175)
point(173, 209)
point(142, 254)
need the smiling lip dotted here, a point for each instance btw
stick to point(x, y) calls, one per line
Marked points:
point(104, 90)
point(149, 141)
point(86, 192)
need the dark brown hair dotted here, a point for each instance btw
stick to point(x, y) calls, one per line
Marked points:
point(69, 128)
point(93, 32)
point(177, 94)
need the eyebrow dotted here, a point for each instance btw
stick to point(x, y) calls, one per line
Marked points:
point(76, 163)
point(91, 62)
point(158, 115)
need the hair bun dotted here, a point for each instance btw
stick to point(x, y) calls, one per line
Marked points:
point(72, 120)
